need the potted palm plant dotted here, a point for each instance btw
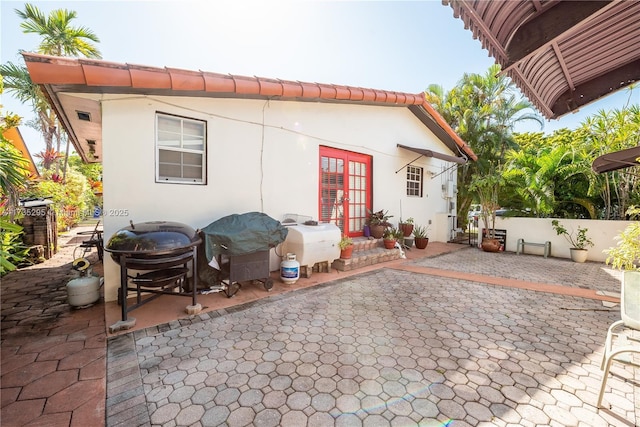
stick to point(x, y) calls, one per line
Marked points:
point(578, 240)
point(487, 187)
point(421, 237)
point(346, 247)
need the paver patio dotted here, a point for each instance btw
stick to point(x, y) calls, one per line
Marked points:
point(388, 347)
point(463, 338)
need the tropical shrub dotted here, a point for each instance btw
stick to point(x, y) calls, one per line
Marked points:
point(12, 250)
point(73, 199)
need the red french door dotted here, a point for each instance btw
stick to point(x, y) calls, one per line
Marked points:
point(345, 189)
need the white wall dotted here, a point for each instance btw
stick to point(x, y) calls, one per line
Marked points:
point(271, 168)
point(539, 230)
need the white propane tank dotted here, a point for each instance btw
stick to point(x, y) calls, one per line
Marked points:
point(83, 290)
point(289, 269)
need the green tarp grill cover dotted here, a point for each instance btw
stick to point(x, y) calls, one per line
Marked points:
point(241, 234)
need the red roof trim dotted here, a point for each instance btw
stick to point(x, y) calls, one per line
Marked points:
point(55, 70)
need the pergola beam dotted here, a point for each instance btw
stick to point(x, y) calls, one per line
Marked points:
point(548, 25)
point(595, 88)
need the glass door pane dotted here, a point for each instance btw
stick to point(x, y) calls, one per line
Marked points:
point(344, 189)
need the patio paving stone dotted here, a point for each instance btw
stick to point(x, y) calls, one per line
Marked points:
point(463, 338)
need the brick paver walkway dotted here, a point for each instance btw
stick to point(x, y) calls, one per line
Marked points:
point(53, 356)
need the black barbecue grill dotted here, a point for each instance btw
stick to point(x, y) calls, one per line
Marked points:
point(164, 250)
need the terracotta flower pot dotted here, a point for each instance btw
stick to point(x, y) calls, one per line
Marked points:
point(346, 252)
point(407, 229)
point(490, 245)
point(421, 242)
point(389, 243)
point(377, 231)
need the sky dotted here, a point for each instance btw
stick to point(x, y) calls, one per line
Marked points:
point(400, 46)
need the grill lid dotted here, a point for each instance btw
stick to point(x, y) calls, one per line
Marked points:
point(153, 237)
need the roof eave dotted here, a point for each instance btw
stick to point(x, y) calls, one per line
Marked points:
point(77, 75)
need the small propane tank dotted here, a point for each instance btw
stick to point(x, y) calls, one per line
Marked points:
point(83, 290)
point(289, 269)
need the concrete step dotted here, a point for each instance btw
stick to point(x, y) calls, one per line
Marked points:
point(366, 252)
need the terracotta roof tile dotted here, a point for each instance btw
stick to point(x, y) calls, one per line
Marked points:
point(100, 76)
point(145, 78)
point(380, 95)
point(291, 89)
point(327, 91)
point(57, 72)
point(342, 92)
point(368, 95)
point(214, 82)
point(246, 85)
point(186, 80)
point(310, 90)
point(51, 70)
point(269, 87)
point(356, 94)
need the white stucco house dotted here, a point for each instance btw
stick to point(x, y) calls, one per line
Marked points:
point(193, 146)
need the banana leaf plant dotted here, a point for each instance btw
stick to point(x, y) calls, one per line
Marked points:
point(12, 251)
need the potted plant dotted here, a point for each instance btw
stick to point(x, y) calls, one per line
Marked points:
point(406, 227)
point(390, 237)
point(578, 240)
point(346, 247)
point(420, 236)
point(378, 221)
point(625, 255)
point(486, 187)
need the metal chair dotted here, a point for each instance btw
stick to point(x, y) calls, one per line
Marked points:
point(623, 336)
point(95, 241)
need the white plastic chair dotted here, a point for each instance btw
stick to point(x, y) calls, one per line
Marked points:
point(623, 336)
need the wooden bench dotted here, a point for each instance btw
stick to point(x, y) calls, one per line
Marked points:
point(522, 244)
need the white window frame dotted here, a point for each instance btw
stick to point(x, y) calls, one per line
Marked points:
point(178, 146)
point(415, 175)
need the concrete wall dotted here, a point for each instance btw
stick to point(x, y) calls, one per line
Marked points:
point(539, 230)
point(262, 156)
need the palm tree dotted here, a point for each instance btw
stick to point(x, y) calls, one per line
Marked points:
point(18, 82)
point(60, 39)
point(483, 110)
point(608, 131)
